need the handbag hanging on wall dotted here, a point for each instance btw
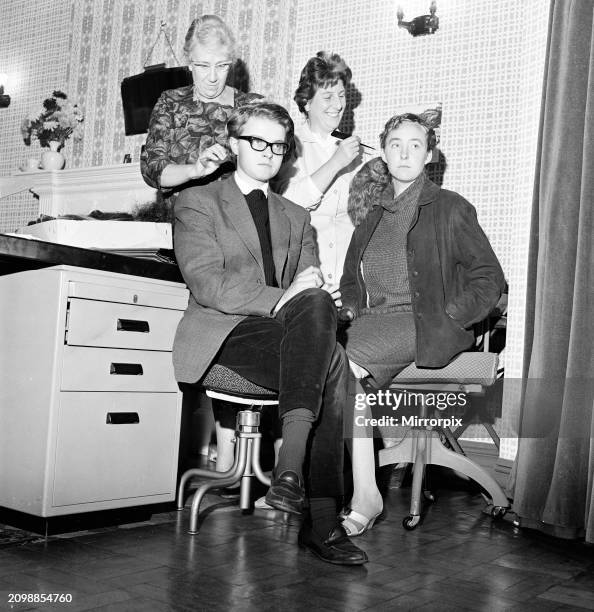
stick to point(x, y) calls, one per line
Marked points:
point(141, 91)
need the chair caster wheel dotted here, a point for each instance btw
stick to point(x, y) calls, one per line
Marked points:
point(411, 521)
point(428, 496)
point(498, 512)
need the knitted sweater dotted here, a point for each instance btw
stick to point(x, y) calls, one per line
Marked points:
point(384, 262)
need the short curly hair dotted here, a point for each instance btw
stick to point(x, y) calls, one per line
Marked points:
point(321, 71)
point(209, 29)
point(398, 120)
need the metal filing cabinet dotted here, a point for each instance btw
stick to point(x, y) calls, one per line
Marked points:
point(89, 408)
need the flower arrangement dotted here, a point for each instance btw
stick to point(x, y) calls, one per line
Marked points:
point(59, 120)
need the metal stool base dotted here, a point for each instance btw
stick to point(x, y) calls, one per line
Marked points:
point(245, 466)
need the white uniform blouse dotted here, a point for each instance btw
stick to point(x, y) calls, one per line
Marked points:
point(328, 210)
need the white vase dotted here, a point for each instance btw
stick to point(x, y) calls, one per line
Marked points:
point(52, 159)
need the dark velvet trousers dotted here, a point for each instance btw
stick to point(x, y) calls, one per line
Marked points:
point(296, 354)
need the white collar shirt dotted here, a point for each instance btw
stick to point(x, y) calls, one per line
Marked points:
point(246, 185)
point(328, 210)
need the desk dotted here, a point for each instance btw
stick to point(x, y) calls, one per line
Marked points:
point(89, 408)
point(17, 254)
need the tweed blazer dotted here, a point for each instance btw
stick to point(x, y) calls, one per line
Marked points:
point(219, 255)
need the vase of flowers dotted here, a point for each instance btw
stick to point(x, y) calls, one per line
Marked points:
point(53, 159)
point(60, 119)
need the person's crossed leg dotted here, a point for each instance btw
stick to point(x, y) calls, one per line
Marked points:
point(296, 353)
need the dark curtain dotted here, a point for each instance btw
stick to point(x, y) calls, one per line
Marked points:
point(554, 468)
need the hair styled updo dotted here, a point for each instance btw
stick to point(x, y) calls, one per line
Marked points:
point(366, 188)
point(322, 71)
point(373, 177)
point(397, 120)
point(209, 30)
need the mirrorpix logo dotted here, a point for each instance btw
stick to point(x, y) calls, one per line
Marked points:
point(393, 400)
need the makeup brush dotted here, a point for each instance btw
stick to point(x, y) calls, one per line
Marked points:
point(342, 135)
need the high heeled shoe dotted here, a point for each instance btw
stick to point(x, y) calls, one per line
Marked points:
point(355, 523)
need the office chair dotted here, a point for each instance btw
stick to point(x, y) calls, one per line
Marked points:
point(225, 384)
point(468, 373)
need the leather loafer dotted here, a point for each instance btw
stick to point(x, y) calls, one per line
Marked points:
point(286, 493)
point(336, 548)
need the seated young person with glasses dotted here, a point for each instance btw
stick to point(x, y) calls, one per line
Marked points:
point(257, 306)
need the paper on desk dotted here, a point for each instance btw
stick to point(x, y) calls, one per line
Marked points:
point(91, 234)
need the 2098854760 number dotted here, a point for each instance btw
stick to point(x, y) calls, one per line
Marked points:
point(16, 598)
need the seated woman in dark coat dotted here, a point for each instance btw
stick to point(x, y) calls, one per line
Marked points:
point(418, 274)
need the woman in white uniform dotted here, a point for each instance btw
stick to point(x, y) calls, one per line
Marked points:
point(318, 176)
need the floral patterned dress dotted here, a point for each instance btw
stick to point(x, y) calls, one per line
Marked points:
point(181, 128)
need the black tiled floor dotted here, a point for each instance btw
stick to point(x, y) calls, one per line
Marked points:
point(458, 559)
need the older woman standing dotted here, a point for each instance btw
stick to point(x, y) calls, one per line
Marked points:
point(186, 137)
point(319, 175)
point(186, 144)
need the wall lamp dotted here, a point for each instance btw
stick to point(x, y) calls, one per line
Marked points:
point(4, 98)
point(419, 26)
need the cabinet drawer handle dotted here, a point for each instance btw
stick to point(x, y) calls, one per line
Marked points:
point(122, 418)
point(126, 369)
point(132, 325)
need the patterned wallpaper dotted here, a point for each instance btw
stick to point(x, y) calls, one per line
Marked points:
point(34, 53)
point(113, 39)
point(86, 47)
point(484, 64)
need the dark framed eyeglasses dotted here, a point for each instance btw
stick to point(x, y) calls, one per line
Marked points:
point(259, 144)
